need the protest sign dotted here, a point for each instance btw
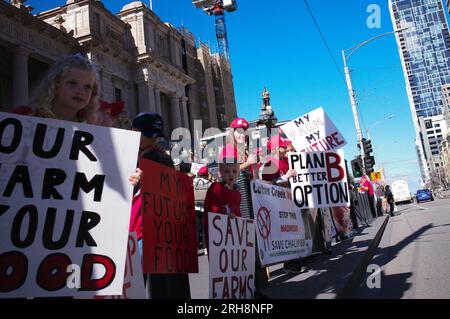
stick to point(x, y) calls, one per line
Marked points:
point(231, 255)
point(343, 220)
point(321, 179)
point(195, 167)
point(133, 284)
point(280, 229)
point(313, 132)
point(329, 229)
point(64, 207)
point(168, 217)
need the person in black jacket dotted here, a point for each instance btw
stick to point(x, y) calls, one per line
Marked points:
point(154, 146)
point(389, 198)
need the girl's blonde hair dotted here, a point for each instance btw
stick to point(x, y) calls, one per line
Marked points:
point(45, 93)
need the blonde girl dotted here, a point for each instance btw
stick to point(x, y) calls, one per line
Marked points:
point(69, 92)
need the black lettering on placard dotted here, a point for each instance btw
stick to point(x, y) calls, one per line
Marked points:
point(49, 229)
point(52, 272)
point(158, 229)
point(81, 182)
point(88, 221)
point(223, 260)
point(177, 180)
point(157, 253)
point(80, 141)
point(22, 176)
point(52, 178)
point(235, 259)
point(244, 257)
point(17, 136)
point(3, 209)
point(144, 202)
point(168, 232)
point(229, 233)
point(169, 259)
point(40, 137)
point(17, 264)
point(32, 213)
point(217, 227)
point(164, 180)
point(215, 281)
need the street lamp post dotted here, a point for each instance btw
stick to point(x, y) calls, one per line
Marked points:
point(351, 91)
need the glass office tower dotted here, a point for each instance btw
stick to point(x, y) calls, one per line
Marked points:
point(424, 48)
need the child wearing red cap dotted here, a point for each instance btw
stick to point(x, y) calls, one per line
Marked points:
point(224, 197)
point(276, 169)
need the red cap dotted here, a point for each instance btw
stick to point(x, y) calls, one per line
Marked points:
point(278, 141)
point(228, 154)
point(115, 107)
point(239, 122)
point(203, 171)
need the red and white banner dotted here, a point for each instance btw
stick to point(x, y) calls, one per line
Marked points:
point(168, 216)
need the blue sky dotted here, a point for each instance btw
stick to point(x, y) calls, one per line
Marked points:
point(275, 44)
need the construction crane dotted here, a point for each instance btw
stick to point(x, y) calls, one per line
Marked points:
point(218, 8)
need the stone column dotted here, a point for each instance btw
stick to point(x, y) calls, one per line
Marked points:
point(184, 112)
point(157, 99)
point(143, 96)
point(152, 101)
point(20, 77)
point(175, 114)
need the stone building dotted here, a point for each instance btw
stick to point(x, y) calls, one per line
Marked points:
point(143, 61)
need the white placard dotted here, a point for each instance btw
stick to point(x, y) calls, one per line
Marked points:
point(321, 179)
point(314, 132)
point(280, 229)
point(231, 255)
point(64, 207)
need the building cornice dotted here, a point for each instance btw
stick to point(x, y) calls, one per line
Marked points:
point(31, 21)
point(154, 60)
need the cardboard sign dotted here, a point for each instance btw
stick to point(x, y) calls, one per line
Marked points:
point(231, 257)
point(280, 229)
point(64, 207)
point(375, 176)
point(133, 284)
point(321, 179)
point(168, 217)
point(314, 132)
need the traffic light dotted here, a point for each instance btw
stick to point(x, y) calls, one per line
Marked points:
point(369, 162)
point(357, 167)
point(367, 144)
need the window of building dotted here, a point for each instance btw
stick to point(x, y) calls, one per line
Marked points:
point(118, 94)
point(428, 124)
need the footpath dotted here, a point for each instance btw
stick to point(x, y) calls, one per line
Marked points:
point(325, 276)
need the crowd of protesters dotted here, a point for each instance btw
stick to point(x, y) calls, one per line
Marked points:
point(70, 92)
